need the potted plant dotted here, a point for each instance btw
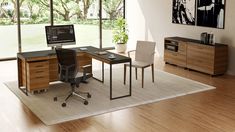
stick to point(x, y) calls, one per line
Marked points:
point(120, 35)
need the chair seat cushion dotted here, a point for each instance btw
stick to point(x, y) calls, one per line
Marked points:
point(139, 64)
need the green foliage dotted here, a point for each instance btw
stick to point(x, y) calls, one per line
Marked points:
point(65, 12)
point(6, 22)
point(108, 24)
point(113, 8)
point(120, 32)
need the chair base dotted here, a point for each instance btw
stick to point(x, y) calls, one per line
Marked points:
point(73, 93)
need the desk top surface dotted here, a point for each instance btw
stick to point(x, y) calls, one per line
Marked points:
point(91, 51)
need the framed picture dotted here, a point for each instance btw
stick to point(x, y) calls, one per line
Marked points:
point(183, 12)
point(210, 13)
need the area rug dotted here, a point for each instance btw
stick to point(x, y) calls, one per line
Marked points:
point(49, 112)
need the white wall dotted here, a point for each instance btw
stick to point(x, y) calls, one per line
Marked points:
point(151, 20)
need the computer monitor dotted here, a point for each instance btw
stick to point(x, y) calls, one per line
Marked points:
point(60, 35)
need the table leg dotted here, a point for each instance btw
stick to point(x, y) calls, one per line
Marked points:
point(111, 82)
point(102, 75)
point(102, 72)
point(130, 78)
point(111, 88)
point(20, 79)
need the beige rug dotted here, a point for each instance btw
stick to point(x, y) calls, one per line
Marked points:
point(166, 86)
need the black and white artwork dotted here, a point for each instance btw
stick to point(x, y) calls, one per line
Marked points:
point(183, 12)
point(210, 13)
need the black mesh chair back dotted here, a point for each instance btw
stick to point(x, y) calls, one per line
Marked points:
point(67, 60)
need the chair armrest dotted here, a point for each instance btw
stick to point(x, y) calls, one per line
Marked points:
point(128, 52)
point(86, 66)
point(85, 71)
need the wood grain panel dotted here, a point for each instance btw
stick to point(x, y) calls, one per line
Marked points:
point(221, 60)
point(175, 58)
point(182, 48)
point(53, 69)
point(201, 48)
point(37, 75)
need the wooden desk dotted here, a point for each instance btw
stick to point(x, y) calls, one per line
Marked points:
point(36, 69)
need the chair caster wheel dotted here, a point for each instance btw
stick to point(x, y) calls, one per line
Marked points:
point(55, 98)
point(88, 95)
point(63, 105)
point(85, 102)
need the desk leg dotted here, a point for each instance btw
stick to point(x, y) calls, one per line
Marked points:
point(26, 89)
point(111, 87)
point(19, 73)
point(102, 78)
point(20, 79)
point(130, 78)
point(102, 72)
point(111, 81)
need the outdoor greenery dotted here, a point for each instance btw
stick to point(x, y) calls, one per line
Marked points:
point(65, 11)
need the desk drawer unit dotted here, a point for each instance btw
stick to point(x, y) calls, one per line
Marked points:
point(37, 75)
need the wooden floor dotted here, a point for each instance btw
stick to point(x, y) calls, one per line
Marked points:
point(213, 111)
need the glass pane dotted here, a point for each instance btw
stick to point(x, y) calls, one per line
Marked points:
point(84, 15)
point(111, 10)
point(8, 29)
point(34, 16)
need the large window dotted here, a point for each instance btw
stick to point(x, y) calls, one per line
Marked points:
point(111, 10)
point(8, 29)
point(34, 16)
point(84, 14)
point(93, 20)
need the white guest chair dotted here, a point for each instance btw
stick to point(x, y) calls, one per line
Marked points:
point(144, 57)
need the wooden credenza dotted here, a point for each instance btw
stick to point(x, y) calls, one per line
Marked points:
point(191, 54)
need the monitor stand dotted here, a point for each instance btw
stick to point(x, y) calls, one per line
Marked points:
point(57, 47)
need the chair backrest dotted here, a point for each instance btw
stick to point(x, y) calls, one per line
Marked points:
point(67, 60)
point(145, 51)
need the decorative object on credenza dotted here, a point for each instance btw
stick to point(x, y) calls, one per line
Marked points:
point(207, 38)
point(211, 13)
point(183, 12)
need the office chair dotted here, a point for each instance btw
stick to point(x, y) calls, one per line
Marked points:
point(67, 62)
point(144, 57)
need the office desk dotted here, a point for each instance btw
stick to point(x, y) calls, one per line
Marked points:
point(37, 69)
